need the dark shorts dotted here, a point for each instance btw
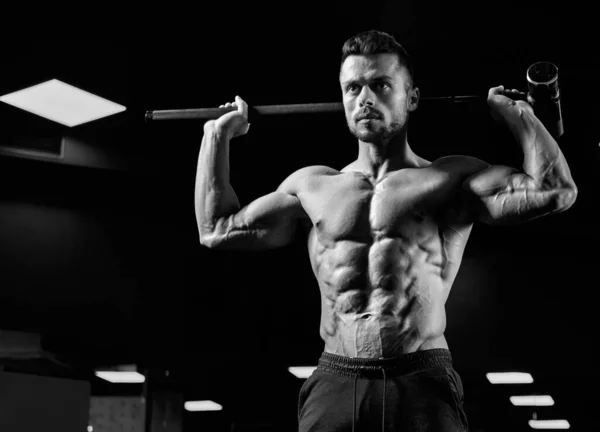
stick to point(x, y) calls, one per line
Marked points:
point(419, 391)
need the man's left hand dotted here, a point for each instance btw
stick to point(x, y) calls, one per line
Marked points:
point(503, 107)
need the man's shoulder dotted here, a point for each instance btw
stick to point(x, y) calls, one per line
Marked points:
point(460, 164)
point(312, 171)
point(297, 180)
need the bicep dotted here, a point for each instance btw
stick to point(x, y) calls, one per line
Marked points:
point(501, 195)
point(267, 222)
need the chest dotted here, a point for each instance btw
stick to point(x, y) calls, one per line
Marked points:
point(350, 206)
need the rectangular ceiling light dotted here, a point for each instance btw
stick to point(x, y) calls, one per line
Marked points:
point(302, 371)
point(62, 103)
point(121, 377)
point(549, 424)
point(509, 378)
point(535, 400)
point(204, 405)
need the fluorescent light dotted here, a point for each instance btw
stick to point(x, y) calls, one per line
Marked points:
point(302, 371)
point(532, 400)
point(549, 424)
point(121, 377)
point(509, 378)
point(62, 103)
point(204, 405)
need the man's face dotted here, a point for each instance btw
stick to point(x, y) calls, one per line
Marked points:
point(374, 96)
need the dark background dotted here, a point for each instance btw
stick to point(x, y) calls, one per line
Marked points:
point(99, 250)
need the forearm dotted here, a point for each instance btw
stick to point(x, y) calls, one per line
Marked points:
point(214, 195)
point(543, 159)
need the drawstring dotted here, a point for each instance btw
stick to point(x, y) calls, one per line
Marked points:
point(383, 412)
point(349, 367)
point(354, 402)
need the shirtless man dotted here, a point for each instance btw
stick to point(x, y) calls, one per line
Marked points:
point(387, 235)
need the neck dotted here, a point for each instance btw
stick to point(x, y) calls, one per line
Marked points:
point(377, 159)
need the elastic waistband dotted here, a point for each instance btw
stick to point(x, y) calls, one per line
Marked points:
point(406, 363)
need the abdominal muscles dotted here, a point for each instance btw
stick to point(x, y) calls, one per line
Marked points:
point(382, 299)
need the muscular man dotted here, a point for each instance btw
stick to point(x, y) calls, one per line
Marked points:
point(387, 236)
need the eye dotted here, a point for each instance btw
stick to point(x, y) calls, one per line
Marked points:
point(351, 88)
point(382, 85)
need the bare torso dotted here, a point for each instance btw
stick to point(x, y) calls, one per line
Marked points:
point(385, 254)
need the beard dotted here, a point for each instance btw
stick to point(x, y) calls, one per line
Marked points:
point(376, 132)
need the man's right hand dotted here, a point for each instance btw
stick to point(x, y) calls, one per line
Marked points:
point(234, 123)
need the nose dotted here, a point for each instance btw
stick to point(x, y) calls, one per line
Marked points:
point(365, 98)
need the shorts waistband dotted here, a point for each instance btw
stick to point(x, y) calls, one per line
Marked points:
point(405, 363)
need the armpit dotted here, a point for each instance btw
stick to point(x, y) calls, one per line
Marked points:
point(459, 210)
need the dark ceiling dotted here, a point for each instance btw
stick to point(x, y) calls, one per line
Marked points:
point(99, 253)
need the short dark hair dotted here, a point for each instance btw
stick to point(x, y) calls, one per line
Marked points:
point(377, 42)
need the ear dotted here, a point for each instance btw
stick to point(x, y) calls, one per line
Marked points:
point(413, 98)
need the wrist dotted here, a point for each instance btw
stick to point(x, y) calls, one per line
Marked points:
point(212, 130)
point(521, 121)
